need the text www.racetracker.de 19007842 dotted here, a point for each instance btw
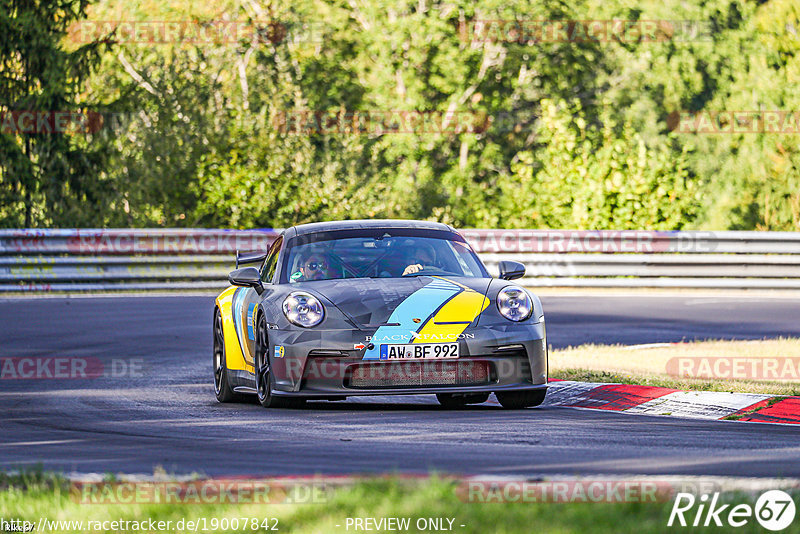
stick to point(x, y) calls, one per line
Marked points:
point(202, 524)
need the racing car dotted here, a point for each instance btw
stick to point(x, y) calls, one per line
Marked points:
point(377, 307)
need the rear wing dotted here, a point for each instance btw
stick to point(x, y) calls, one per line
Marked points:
point(249, 257)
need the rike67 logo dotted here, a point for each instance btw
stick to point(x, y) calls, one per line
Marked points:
point(774, 510)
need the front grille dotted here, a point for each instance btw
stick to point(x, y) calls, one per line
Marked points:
point(415, 374)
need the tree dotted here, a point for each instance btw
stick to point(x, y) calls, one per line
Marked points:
point(46, 177)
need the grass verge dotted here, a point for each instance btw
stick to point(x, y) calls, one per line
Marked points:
point(733, 366)
point(34, 495)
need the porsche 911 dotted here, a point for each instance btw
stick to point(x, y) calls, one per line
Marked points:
point(377, 307)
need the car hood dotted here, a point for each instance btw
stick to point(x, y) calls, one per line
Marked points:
point(400, 305)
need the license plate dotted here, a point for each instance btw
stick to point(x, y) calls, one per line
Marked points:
point(419, 351)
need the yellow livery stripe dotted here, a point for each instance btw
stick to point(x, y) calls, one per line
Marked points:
point(459, 312)
point(234, 359)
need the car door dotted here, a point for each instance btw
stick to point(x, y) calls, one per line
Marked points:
point(250, 298)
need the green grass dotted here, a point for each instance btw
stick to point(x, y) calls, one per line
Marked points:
point(38, 494)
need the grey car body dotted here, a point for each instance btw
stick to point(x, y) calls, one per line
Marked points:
point(346, 353)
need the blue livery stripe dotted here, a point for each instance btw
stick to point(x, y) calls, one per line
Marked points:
point(421, 304)
point(250, 331)
point(236, 311)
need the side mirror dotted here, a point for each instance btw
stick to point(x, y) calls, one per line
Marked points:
point(511, 270)
point(247, 277)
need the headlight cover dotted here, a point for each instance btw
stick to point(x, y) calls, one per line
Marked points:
point(514, 303)
point(303, 309)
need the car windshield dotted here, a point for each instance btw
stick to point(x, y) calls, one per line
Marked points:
point(378, 253)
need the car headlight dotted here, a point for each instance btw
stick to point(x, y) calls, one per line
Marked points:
point(303, 309)
point(514, 303)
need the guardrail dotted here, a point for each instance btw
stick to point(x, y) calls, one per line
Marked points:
point(102, 260)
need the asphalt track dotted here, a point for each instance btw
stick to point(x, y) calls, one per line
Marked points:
point(166, 415)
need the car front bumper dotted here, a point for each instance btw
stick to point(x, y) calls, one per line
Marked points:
point(320, 364)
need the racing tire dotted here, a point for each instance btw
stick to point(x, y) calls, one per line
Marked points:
point(454, 401)
point(265, 381)
point(222, 387)
point(515, 400)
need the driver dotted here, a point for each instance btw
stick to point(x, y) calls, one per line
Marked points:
point(316, 266)
point(423, 255)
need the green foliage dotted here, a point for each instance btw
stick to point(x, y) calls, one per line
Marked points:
point(45, 178)
point(586, 177)
point(580, 132)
